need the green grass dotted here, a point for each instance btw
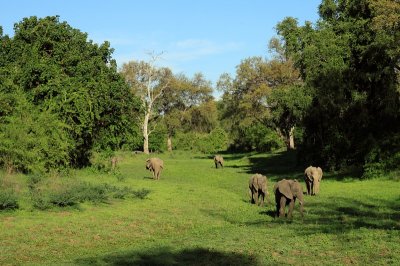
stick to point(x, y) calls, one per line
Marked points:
point(198, 215)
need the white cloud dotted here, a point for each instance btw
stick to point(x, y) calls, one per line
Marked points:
point(192, 49)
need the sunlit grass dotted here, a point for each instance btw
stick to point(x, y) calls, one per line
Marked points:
point(198, 215)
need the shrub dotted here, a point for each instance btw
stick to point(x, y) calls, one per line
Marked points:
point(141, 193)
point(57, 192)
point(33, 140)
point(100, 161)
point(54, 192)
point(92, 193)
point(8, 199)
point(212, 142)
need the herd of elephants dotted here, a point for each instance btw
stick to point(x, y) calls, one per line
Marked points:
point(286, 191)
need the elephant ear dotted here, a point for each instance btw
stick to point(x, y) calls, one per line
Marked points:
point(276, 187)
point(308, 173)
point(285, 188)
point(319, 170)
point(296, 188)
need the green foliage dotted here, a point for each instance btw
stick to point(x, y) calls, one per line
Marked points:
point(350, 59)
point(74, 82)
point(33, 140)
point(54, 192)
point(267, 93)
point(158, 140)
point(8, 198)
point(213, 142)
point(47, 193)
point(256, 137)
point(217, 140)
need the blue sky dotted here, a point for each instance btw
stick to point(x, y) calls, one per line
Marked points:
point(208, 36)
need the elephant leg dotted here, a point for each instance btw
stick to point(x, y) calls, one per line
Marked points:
point(313, 188)
point(316, 187)
point(256, 197)
point(291, 206)
point(216, 165)
point(282, 205)
point(262, 198)
point(308, 184)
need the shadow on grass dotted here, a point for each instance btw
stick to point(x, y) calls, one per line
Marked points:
point(343, 214)
point(338, 215)
point(166, 256)
point(275, 166)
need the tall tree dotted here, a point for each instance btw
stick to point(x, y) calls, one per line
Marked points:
point(148, 83)
point(181, 99)
point(60, 71)
point(265, 93)
point(351, 60)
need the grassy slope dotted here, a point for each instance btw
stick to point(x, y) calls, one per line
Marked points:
point(200, 215)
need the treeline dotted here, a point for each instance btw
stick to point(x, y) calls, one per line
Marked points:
point(329, 90)
point(334, 86)
point(62, 98)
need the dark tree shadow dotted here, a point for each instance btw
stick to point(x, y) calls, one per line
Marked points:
point(285, 164)
point(275, 166)
point(343, 214)
point(166, 256)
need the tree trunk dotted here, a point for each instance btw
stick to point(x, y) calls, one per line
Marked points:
point(291, 139)
point(146, 134)
point(169, 143)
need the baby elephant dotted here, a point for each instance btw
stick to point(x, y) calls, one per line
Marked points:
point(218, 160)
point(286, 193)
point(155, 165)
point(312, 177)
point(114, 161)
point(258, 188)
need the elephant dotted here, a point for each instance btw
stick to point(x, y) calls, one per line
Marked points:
point(286, 192)
point(218, 160)
point(312, 177)
point(258, 188)
point(155, 165)
point(114, 161)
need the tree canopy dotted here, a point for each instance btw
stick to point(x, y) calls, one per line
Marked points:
point(351, 60)
point(59, 72)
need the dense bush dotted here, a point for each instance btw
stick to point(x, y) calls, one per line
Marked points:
point(8, 199)
point(157, 140)
point(63, 192)
point(256, 137)
point(211, 142)
point(33, 140)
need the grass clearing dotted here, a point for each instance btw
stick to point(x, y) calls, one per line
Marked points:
point(198, 215)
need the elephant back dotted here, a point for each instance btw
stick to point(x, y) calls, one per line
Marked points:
point(218, 158)
point(155, 162)
point(284, 188)
point(261, 181)
point(258, 181)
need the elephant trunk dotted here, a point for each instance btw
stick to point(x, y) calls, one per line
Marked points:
point(301, 207)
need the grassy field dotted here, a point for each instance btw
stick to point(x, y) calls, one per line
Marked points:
point(198, 215)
